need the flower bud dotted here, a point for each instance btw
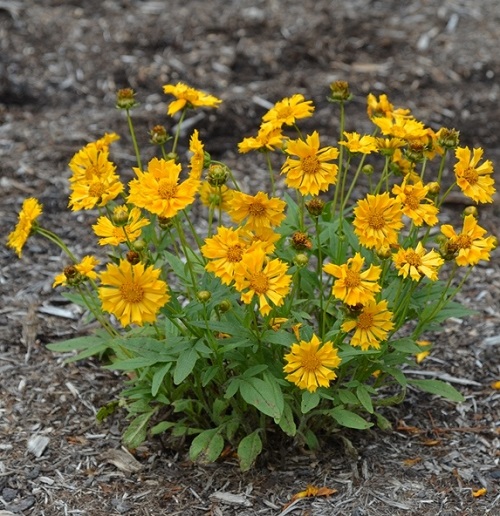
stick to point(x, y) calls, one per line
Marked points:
point(415, 152)
point(73, 277)
point(158, 135)
point(470, 210)
point(448, 138)
point(339, 92)
point(125, 99)
point(204, 296)
point(139, 245)
point(218, 174)
point(224, 306)
point(164, 222)
point(315, 207)
point(301, 241)
point(301, 260)
point(133, 257)
point(433, 188)
point(120, 216)
point(384, 252)
point(367, 170)
point(207, 159)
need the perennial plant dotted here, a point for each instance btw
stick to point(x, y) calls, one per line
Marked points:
point(298, 309)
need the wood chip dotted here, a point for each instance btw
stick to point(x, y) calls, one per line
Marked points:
point(37, 444)
point(231, 499)
point(123, 460)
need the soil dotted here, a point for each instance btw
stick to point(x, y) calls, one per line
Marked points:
point(61, 64)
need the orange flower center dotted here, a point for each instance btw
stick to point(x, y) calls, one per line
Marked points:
point(132, 292)
point(414, 259)
point(365, 321)
point(463, 241)
point(311, 362)
point(471, 176)
point(310, 165)
point(412, 201)
point(166, 189)
point(96, 189)
point(352, 279)
point(284, 112)
point(259, 283)
point(376, 219)
point(234, 253)
point(256, 209)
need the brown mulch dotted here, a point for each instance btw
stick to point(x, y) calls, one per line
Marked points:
point(61, 62)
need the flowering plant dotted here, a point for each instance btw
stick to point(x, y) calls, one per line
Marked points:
point(292, 310)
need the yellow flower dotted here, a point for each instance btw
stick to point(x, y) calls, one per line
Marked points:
point(415, 204)
point(265, 237)
point(216, 196)
point(265, 279)
point(187, 97)
point(371, 325)
point(105, 141)
point(468, 245)
point(309, 366)
point(474, 180)
point(377, 220)
point(416, 263)
point(132, 293)
point(198, 158)
point(288, 110)
point(95, 191)
point(158, 190)
point(426, 345)
point(259, 210)
point(353, 286)
point(381, 107)
point(354, 142)
point(225, 250)
point(115, 234)
point(310, 173)
point(30, 211)
point(78, 272)
point(401, 126)
point(387, 146)
point(91, 161)
point(269, 137)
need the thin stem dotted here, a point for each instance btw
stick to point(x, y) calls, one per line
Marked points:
point(134, 139)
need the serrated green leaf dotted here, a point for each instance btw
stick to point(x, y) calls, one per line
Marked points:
point(365, 398)
point(207, 446)
point(136, 432)
point(349, 419)
point(262, 395)
point(185, 365)
point(310, 400)
point(248, 450)
point(438, 387)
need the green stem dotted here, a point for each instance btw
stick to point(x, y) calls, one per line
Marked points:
point(134, 139)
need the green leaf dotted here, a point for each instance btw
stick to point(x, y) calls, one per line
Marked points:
point(96, 349)
point(136, 432)
point(161, 427)
point(263, 396)
point(347, 397)
point(185, 365)
point(107, 410)
point(382, 422)
point(309, 401)
point(158, 377)
point(349, 419)
point(406, 345)
point(438, 387)
point(75, 344)
point(249, 449)
point(280, 337)
point(286, 421)
point(132, 363)
point(209, 374)
point(365, 398)
point(207, 446)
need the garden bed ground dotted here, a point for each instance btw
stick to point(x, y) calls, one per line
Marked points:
point(61, 64)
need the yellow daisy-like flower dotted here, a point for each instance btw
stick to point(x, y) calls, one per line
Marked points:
point(187, 97)
point(371, 325)
point(269, 137)
point(259, 211)
point(399, 126)
point(216, 196)
point(469, 245)
point(198, 156)
point(288, 110)
point(90, 162)
point(415, 204)
point(387, 146)
point(354, 142)
point(311, 172)
point(353, 286)
point(128, 229)
point(377, 220)
point(309, 366)
point(158, 190)
point(265, 237)
point(225, 250)
point(96, 191)
point(75, 274)
point(132, 293)
point(417, 263)
point(254, 275)
point(474, 180)
point(26, 224)
point(381, 107)
point(105, 141)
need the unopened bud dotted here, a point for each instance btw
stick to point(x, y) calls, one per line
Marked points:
point(224, 306)
point(315, 207)
point(164, 222)
point(203, 296)
point(139, 245)
point(120, 216)
point(133, 257)
point(301, 260)
point(339, 92)
point(301, 241)
point(448, 138)
point(125, 99)
point(433, 188)
point(218, 174)
point(367, 170)
point(470, 210)
point(158, 135)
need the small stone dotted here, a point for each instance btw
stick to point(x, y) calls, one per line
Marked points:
point(9, 494)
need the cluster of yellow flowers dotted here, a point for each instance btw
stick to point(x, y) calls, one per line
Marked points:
point(250, 254)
